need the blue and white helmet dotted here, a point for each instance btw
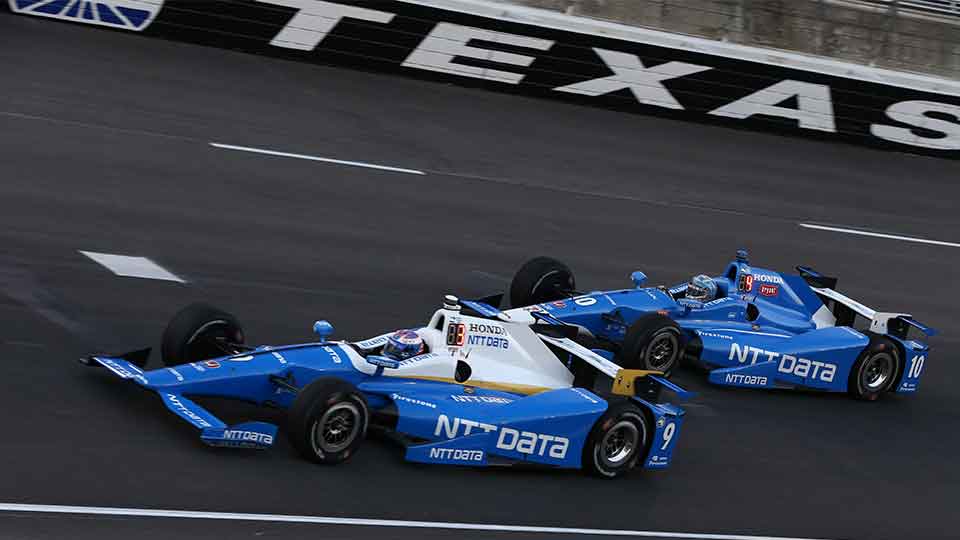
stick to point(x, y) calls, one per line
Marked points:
point(403, 344)
point(701, 288)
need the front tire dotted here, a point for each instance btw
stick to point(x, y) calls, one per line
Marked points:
point(199, 332)
point(328, 421)
point(540, 280)
point(652, 343)
point(617, 441)
point(875, 370)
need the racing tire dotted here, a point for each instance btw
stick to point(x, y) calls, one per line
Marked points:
point(875, 370)
point(652, 342)
point(198, 332)
point(327, 421)
point(540, 280)
point(617, 441)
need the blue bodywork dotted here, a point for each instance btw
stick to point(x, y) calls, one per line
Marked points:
point(446, 423)
point(765, 329)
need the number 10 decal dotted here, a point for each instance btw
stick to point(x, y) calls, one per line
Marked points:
point(916, 366)
point(456, 335)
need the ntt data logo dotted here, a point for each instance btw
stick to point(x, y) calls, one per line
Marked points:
point(133, 15)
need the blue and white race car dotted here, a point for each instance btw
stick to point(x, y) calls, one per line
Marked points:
point(481, 389)
point(756, 328)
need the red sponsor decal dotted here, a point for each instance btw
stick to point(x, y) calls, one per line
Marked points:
point(560, 304)
point(212, 364)
point(769, 290)
point(662, 312)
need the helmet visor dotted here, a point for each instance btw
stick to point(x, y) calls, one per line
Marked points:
point(696, 292)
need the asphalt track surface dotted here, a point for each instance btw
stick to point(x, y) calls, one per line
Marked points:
point(104, 147)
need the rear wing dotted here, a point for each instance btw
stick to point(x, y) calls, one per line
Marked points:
point(626, 382)
point(900, 325)
point(816, 279)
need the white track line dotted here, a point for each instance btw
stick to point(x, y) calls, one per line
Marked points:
point(189, 514)
point(140, 267)
point(879, 235)
point(315, 158)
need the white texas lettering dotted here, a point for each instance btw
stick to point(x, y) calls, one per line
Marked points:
point(917, 115)
point(629, 72)
point(315, 19)
point(447, 41)
point(814, 105)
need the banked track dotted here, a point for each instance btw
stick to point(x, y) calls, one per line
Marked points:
point(105, 147)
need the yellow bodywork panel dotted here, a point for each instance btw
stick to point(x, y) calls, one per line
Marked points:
point(625, 382)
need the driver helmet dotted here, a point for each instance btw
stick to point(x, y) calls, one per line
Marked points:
point(701, 288)
point(403, 344)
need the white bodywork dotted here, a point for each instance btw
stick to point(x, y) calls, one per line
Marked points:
point(502, 354)
point(878, 319)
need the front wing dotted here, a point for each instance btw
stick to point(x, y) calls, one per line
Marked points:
point(213, 431)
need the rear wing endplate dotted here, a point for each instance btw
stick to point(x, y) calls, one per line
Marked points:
point(919, 326)
point(626, 382)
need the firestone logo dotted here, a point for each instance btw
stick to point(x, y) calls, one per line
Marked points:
point(134, 15)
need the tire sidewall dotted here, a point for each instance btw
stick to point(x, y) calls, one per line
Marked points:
point(191, 322)
point(617, 412)
point(640, 338)
point(878, 346)
point(308, 409)
point(526, 287)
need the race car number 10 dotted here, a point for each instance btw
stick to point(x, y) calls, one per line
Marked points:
point(456, 335)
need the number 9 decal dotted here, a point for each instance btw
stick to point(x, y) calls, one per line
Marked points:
point(668, 433)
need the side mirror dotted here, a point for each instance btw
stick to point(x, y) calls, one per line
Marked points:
point(638, 278)
point(322, 329)
point(383, 362)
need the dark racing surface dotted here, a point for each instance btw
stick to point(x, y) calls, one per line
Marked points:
point(104, 147)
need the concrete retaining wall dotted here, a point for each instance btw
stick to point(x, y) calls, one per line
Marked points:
point(882, 34)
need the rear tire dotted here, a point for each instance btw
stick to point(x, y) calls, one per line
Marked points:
point(540, 280)
point(875, 370)
point(652, 343)
point(617, 441)
point(198, 332)
point(328, 421)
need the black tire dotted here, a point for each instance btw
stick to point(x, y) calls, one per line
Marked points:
point(541, 280)
point(617, 441)
point(875, 371)
point(319, 415)
point(198, 332)
point(653, 342)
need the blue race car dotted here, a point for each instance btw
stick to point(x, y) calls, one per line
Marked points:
point(473, 387)
point(748, 327)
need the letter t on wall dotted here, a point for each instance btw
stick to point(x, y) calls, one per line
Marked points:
point(315, 19)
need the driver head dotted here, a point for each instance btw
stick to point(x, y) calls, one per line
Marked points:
point(701, 288)
point(403, 344)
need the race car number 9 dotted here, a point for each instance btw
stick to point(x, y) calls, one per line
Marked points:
point(456, 335)
point(668, 433)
